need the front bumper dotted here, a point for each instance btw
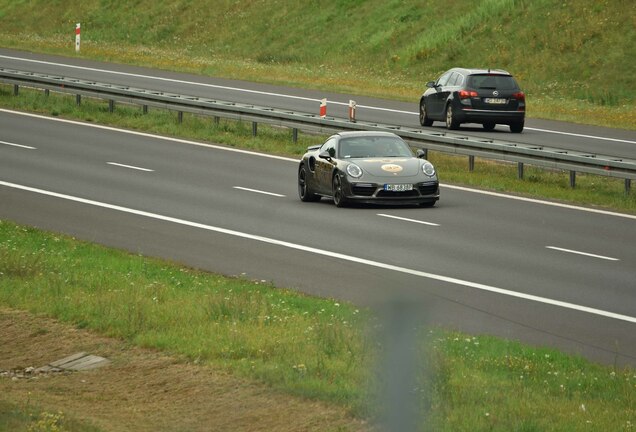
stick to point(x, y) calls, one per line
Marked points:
point(374, 193)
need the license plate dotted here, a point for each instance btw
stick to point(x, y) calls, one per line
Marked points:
point(398, 187)
point(498, 101)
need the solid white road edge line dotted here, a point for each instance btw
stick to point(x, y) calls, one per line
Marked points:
point(258, 191)
point(582, 253)
point(129, 166)
point(407, 219)
point(278, 94)
point(327, 253)
point(238, 89)
point(230, 149)
point(18, 145)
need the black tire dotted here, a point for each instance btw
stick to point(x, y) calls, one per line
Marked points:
point(424, 120)
point(451, 122)
point(489, 126)
point(338, 198)
point(517, 127)
point(304, 190)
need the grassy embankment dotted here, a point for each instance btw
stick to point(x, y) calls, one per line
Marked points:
point(573, 58)
point(316, 348)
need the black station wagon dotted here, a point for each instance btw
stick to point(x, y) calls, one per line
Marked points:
point(485, 96)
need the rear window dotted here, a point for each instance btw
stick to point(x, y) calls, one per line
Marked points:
point(501, 82)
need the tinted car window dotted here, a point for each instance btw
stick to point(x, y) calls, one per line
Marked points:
point(444, 79)
point(329, 146)
point(501, 82)
point(456, 79)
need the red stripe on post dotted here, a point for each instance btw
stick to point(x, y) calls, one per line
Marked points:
point(323, 108)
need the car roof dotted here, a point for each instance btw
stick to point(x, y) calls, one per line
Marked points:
point(348, 134)
point(476, 71)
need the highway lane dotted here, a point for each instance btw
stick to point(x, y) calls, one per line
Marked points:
point(615, 142)
point(473, 265)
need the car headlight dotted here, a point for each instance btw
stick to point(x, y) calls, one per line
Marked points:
point(428, 169)
point(354, 170)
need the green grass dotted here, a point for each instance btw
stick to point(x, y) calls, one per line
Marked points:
point(590, 190)
point(316, 348)
point(573, 58)
point(30, 418)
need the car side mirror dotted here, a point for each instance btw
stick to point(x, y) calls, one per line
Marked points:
point(420, 154)
point(430, 84)
point(324, 155)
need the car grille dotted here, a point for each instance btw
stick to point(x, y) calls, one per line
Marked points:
point(404, 194)
point(363, 190)
point(427, 189)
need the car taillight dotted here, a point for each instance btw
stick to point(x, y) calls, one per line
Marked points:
point(520, 96)
point(465, 94)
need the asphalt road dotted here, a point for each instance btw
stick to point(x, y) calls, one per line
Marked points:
point(482, 263)
point(592, 139)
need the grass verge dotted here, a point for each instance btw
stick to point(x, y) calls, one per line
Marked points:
point(572, 58)
point(311, 347)
point(590, 190)
point(33, 419)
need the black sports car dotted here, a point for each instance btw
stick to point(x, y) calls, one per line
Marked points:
point(367, 167)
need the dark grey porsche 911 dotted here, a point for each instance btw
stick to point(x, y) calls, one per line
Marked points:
point(367, 167)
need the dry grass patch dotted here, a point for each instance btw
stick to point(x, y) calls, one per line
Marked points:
point(145, 390)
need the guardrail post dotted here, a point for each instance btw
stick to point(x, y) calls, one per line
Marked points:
point(295, 135)
point(78, 99)
point(144, 109)
point(471, 163)
point(46, 92)
point(628, 185)
point(111, 106)
point(254, 128)
point(217, 120)
point(16, 89)
point(572, 179)
point(180, 117)
point(520, 170)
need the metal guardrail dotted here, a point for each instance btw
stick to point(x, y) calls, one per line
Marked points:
point(542, 156)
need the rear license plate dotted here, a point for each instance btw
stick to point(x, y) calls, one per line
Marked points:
point(398, 187)
point(498, 101)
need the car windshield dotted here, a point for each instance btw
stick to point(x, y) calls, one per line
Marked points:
point(373, 146)
point(501, 82)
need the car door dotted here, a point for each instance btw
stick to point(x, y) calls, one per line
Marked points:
point(436, 99)
point(324, 167)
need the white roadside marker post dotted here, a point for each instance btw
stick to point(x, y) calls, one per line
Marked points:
point(77, 37)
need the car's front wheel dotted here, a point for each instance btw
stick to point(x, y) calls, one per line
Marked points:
point(304, 190)
point(451, 122)
point(338, 196)
point(424, 120)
